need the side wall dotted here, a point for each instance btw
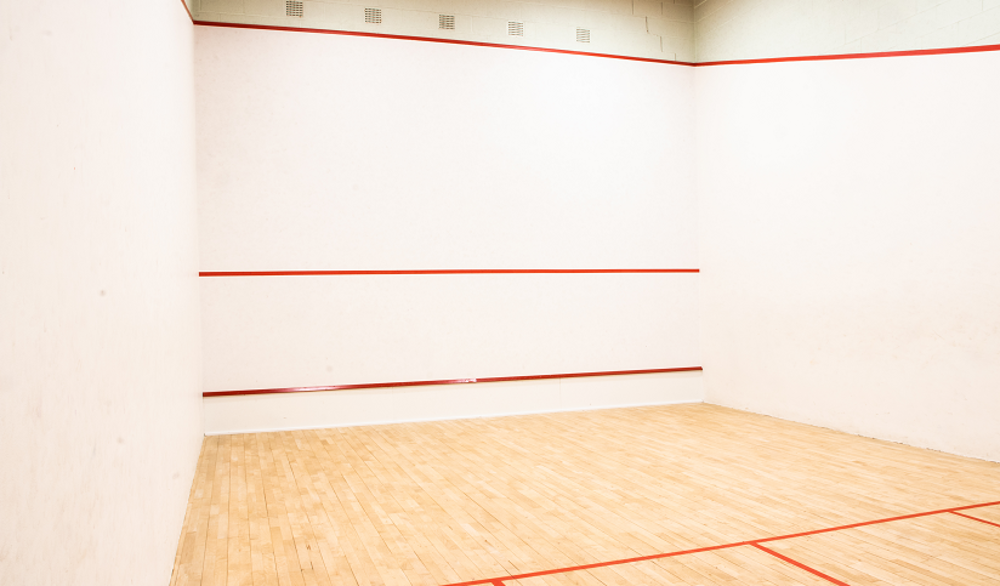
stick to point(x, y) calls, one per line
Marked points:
point(101, 422)
point(329, 152)
point(849, 248)
point(753, 29)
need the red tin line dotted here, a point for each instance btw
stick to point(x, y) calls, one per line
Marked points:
point(436, 272)
point(842, 56)
point(492, 379)
point(188, 10)
point(800, 565)
point(435, 40)
point(753, 542)
point(976, 519)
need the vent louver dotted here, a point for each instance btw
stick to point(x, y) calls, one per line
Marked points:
point(515, 29)
point(293, 8)
point(373, 15)
point(446, 21)
point(583, 35)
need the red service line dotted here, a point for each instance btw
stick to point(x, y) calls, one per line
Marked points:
point(435, 272)
point(799, 565)
point(754, 542)
point(976, 519)
point(456, 381)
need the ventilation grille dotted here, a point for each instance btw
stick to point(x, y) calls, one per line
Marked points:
point(515, 29)
point(446, 21)
point(293, 7)
point(583, 35)
point(373, 15)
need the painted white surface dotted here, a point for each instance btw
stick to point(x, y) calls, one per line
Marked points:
point(262, 332)
point(249, 413)
point(850, 245)
point(100, 413)
point(331, 152)
point(644, 28)
point(748, 29)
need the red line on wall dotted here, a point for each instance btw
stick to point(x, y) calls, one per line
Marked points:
point(800, 565)
point(753, 542)
point(434, 40)
point(456, 381)
point(188, 10)
point(436, 272)
point(976, 519)
point(911, 53)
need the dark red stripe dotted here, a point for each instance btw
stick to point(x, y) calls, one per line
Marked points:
point(436, 272)
point(188, 10)
point(457, 381)
point(800, 565)
point(912, 53)
point(434, 40)
point(754, 542)
point(975, 519)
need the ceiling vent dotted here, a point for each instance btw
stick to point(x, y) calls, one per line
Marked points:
point(293, 8)
point(583, 35)
point(373, 15)
point(515, 29)
point(446, 21)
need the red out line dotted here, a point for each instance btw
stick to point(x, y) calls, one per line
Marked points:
point(435, 40)
point(188, 10)
point(437, 272)
point(842, 56)
point(976, 519)
point(837, 57)
point(457, 381)
point(800, 565)
point(753, 542)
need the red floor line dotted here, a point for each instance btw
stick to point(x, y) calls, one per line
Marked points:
point(800, 565)
point(876, 522)
point(753, 542)
point(976, 519)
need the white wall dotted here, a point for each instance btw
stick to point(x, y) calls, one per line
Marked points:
point(327, 152)
point(849, 249)
point(748, 29)
point(100, 413)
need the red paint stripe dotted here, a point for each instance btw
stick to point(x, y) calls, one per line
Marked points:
point(976, 519)
point(457, 381)
point(841, 56)
point(800, 565)
point(434, 40)
point(437, 272)
point(188, 10)
point(912, 53)
point(754, 542)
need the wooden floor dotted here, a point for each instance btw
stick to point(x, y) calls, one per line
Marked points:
point(525, 501)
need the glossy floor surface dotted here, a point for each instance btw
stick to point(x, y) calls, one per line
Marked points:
point(683, 494)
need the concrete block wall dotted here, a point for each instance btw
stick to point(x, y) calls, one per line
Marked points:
point(753, 29)
point(638, 28)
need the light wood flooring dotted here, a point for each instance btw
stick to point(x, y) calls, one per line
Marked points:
point(526, 500)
